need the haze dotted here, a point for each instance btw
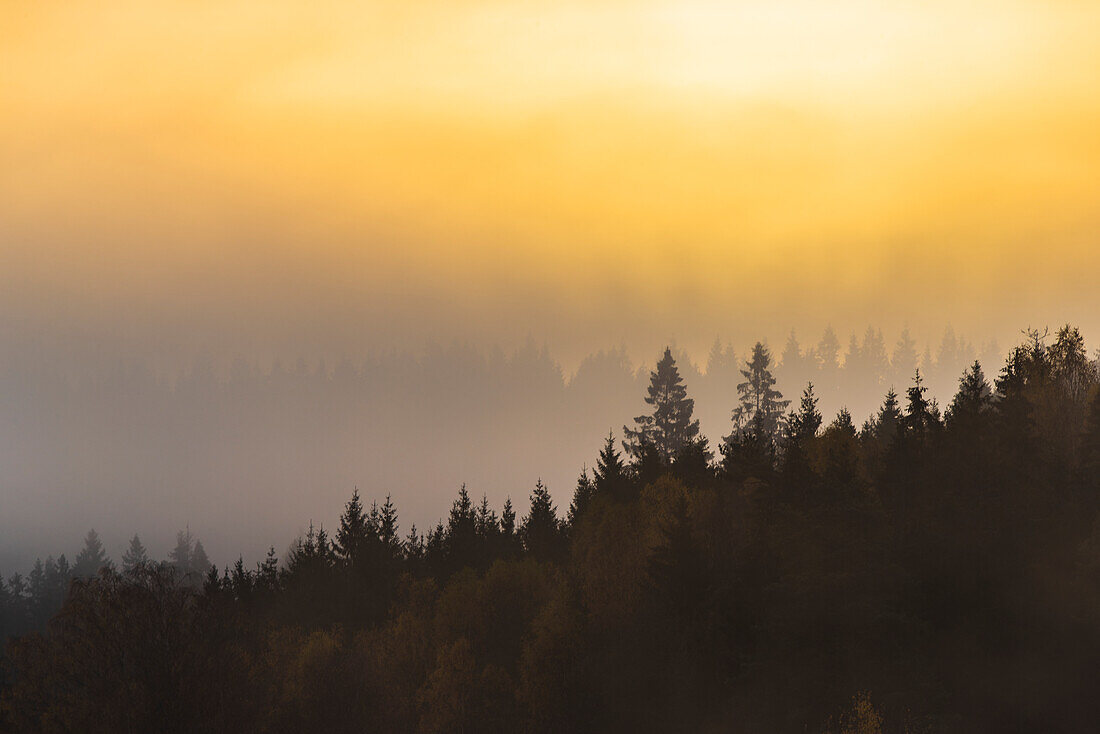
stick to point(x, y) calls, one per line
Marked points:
point(189, 186)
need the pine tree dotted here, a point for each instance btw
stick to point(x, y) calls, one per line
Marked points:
point(920, 415)
point(413, 545)
point(267, 572)
point(91, 558)
point(803, 424)
point(791, 366)
point(582, 498)
point(973, 400)
point(761, 406)
point(508, 520)
point(462, 532)
point(671, 425)
point(903, 362)
point(180, 556)
point(841, 449)
point(610, 477)
point(876, 363)
point(351, 536)
point(199, 563)
point(540, 531)
point(801, 429)
point(387, 528)
point(135, 556)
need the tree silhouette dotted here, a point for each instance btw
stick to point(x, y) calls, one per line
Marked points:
point(91, 557)
point(671, 424)
point(135, 555)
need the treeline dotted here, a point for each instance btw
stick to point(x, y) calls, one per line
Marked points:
point(28, 602)
point(932, 569)
point(124, 442)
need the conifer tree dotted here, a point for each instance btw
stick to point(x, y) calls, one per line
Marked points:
point(180, 556)
point(801, 429)
point(540, 531)
point(91, 557)
point(760, 410)
point(387, 528)
point(841, 448)
point(462, 531)
point(920, 415)
point(903, 362)
point(610, 477)
point(803, 424)
point(135, 556)
point(671, 425)
point(351, 536)
point(582, 497)
point(414, 544)
point(972, 401)
point(199, 563)
point(508, 519)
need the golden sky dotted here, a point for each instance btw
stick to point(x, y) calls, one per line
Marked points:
point(287, 174)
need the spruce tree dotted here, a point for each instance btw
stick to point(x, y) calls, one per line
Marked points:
point(671, 425)
point(351, 536)
point(609, 476)
point(760, 410)
point(387, 528)
point(803, 424)
point(972, 401)
point(508, 519)
point(135, 556)
point(540, 532)
point(582, 497)
point(180, 556)
point(801, 429)
point(920, 418)
point(91, 557)
point(462, 532)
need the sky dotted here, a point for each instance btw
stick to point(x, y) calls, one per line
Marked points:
point(275, 179)
point(180, 176)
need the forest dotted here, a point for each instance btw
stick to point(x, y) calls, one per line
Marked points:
point(935, 568)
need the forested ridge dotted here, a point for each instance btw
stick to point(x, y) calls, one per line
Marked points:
point(936, 568)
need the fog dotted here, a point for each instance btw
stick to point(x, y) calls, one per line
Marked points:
point(246, 452)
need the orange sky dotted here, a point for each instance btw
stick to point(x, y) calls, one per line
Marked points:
point(284, 175)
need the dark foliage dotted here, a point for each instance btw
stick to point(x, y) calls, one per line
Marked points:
point(925, 573)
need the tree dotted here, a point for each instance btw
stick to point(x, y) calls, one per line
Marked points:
point(351, 536)
point(199, 563)
point(671, 425)
point(508, 519)
point(903, 362)
point(541, 533)
point(582, 497)
point(91, 558)
point(387, 529)
point(180, 556)
point(973, 400)
point(920, 418)
point(462, 532)
point(803, 424)
point(801, 429)
point(761, 406)
point(841, 449)
point(135, 556)
point(609, 476)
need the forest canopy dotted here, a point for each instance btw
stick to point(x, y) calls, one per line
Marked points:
point(933, 568)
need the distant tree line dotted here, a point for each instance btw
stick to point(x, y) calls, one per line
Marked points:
point(931, 569)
